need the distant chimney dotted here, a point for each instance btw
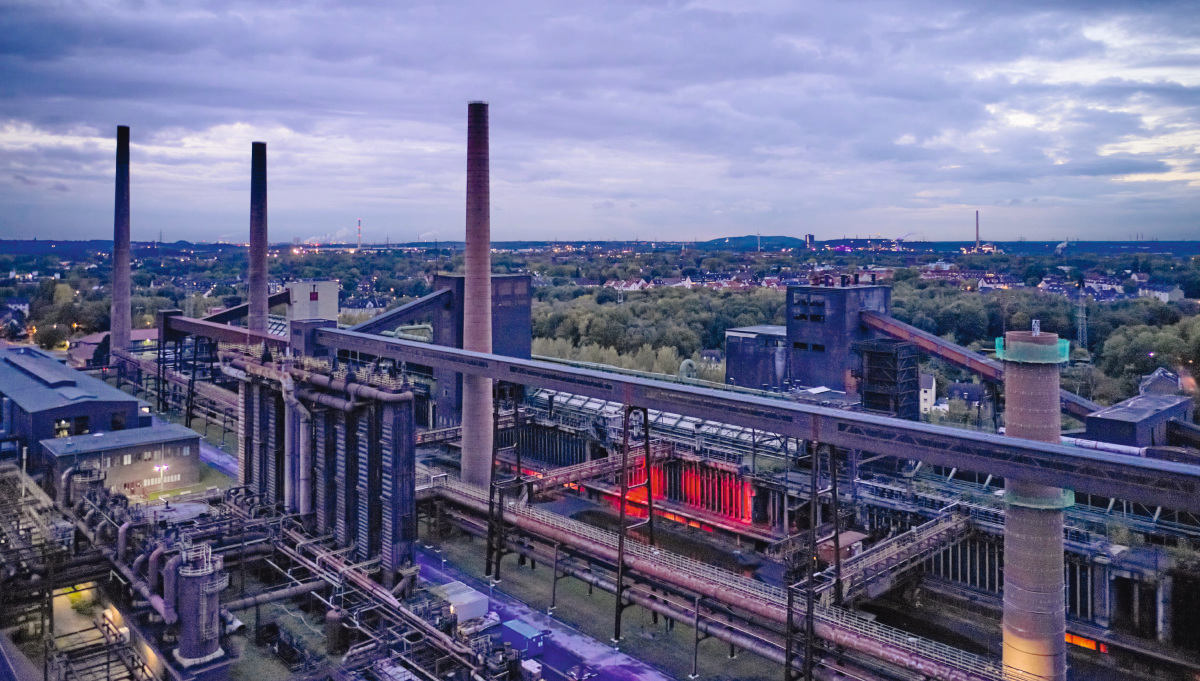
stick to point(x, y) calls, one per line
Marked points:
point(360, 234)
point(976, 230)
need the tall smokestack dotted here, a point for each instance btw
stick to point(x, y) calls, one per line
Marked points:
point(1034, 623)
point(477, 306)
point(360, 234)
point(976, 230)
point(119, 316)
point(257, 283)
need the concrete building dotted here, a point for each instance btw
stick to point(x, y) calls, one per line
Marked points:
point(757, 357)
point(312, 300)
point(1139, 421)
point(131, 461)
point(42, 399)
point(822, 325)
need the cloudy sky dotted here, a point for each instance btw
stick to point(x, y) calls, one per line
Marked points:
point(609, 119)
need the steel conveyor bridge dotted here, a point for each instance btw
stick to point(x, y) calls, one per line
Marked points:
point(1147, 481)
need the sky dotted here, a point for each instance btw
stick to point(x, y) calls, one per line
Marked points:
point(609, 119)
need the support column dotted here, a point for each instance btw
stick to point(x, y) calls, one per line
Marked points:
point(1163, 600)
point(1034, 623)
point(399, 488)
point(1101, 592)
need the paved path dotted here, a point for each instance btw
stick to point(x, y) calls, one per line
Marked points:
point(565, 647)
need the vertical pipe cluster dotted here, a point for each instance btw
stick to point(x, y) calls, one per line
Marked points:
point(477, 305)
point(1034, 623)
point(257, 282)
point(120, 313)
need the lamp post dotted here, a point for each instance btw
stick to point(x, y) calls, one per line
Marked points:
point(162, 477)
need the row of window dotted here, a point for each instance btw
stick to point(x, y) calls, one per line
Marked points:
point(165, 480)
point(819, 318)
point(150, 455)
point(814, 347)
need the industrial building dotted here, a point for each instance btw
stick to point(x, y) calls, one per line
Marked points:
point(134, 462)
point(40, 398)
point(775, 529)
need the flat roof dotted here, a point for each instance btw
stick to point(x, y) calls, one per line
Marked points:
point(761, 329)
point(36, 381)
point(1140, 408)
point(118, 439)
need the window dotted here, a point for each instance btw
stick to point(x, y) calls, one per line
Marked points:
point(62, 428)
point(800, 317)
point(107, 462)
point(127, 459)
point(187, 450)
point(800, 346)
point(147, 455)
point(816, 318)
point(817, 347)
point(118, 420)
point(312, 295)
point(81, 425)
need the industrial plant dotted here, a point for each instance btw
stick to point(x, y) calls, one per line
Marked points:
point(419, 497)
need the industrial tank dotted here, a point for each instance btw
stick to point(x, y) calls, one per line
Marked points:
point(201, 581)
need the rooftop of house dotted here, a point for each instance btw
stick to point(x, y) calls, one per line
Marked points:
point(1139, 408)
point(36, 381)
point(761, 329)
point(119, 439)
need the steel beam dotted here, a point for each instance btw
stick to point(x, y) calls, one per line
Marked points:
point(1148, 481)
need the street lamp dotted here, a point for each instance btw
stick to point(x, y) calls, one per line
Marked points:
point(162, 476)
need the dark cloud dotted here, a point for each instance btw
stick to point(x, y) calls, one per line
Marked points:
point(709, 116)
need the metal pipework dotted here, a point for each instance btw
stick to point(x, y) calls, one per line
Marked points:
point(1034, 623)
point(271, 596)
point(257, 281)
point(477, 304)
point(120, 314)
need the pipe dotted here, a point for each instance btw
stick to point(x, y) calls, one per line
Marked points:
point(271, 596)
point(882, 649)
point(171, 588)
point(304, 444)
point(122, 540)
point(64, 486)
point(477, 415)
point(289, 446)
point(120, 312)
point(328, 400)
point(138, 562)
point(257, 281)
point(710, 627)
point(1103, 446)
point(156, 557)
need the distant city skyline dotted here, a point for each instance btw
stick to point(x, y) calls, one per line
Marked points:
point(656, 121)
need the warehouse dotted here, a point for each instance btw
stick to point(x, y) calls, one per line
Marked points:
point(40, 398)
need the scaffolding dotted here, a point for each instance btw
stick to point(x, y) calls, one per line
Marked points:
point(889, 378)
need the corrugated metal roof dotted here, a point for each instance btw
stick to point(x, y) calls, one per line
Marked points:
point(118, 439)
point(36, 382)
